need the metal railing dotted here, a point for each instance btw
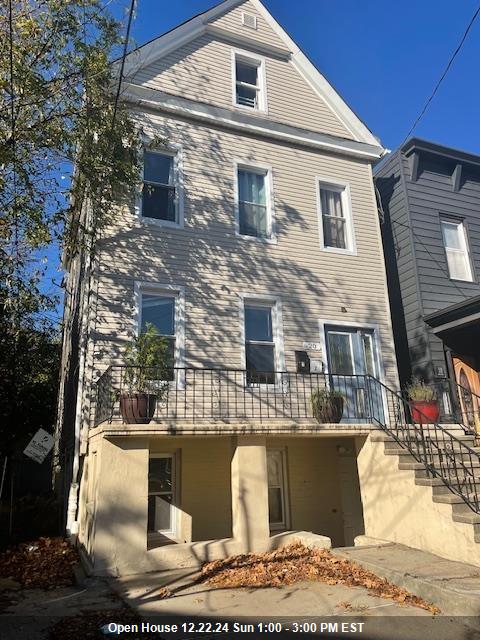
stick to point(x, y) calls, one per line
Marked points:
point(458, 404)
point(442, 454)
point(196, 394)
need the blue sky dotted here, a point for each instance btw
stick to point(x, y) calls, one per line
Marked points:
point(383, 56)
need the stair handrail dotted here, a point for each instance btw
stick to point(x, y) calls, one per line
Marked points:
point(449, 467)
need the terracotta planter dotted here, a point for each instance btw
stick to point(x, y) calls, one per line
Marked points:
point(138, 408)
point(328, 412)
point(425, 412)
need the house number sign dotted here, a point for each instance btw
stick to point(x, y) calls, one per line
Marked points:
point(312, 346)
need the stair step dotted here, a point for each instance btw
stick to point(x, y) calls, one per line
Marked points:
point(429, 482)
point(467, 517)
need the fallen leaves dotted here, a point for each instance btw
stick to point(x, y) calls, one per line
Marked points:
point(296, 563)
point(88, 624)
point(46, 563)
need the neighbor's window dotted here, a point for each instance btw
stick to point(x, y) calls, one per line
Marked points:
point(456, 248)
point(248, 82)
point(159, 197)
point(334, 217)
point(159, 310)
point(253, 215)
point(259, 343)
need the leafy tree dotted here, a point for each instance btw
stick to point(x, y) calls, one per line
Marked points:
point(58, 109)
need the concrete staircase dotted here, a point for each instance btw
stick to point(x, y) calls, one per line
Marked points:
point(441, 492)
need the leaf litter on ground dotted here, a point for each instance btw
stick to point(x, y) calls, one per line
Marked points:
point(297, 563)
point(46, 563)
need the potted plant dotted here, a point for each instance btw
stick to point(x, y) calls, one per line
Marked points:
point(423, 402)
point(145, 376)
point(327, 405)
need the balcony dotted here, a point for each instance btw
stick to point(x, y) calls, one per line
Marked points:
point(195, 396)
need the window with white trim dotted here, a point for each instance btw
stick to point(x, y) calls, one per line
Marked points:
point(160, 188)
point(249, 90)
point(335, 217)
point(254, 215)
point(260, 347)
point(162, 493)
point(456, 248)
point(158, 309)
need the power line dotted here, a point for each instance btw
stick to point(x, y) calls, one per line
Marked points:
point(442, 77)
point(122, 66)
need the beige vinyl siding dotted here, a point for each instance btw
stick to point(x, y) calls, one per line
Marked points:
point(233, 22)
point(214, 265)
point(202, 70)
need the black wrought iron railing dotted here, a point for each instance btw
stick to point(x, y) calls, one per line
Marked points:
point(458, 404)
point(442, 454)
point(196, 394)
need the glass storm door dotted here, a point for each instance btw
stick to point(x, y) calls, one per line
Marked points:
point(276, 489)
point(161, 494)
point(351, 355)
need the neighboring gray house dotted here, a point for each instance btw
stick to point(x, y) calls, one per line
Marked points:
point(430, 196)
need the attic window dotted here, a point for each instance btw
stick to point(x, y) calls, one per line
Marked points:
point(248, 79)
point(249, 20)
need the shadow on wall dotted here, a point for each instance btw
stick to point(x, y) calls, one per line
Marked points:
point(148, 253)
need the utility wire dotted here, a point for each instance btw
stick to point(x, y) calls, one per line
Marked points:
point(125, 47)
point(442, 77)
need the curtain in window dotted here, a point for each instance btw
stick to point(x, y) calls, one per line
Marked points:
point(252, 204)
point(333, 219)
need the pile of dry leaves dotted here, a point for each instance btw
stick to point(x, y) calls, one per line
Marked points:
point(46, 563)
point(88, 624)
point(296, 563)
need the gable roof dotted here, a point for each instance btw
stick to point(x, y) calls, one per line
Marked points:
point(199, 24)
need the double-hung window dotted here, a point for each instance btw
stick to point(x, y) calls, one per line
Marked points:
point(249, 82)
point(254, 203)
point(335, 217)
point(160, 189)
point(159, 310)
point(260, 349)
point(456, 248)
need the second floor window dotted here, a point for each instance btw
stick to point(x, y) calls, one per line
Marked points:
point(253, 205)
point(159, 310)
point(259, 343)
point(248, 89)
point(159, 197)
point(456, 248)
point(335, 218)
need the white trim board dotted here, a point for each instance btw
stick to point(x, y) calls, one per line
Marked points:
point(177, 37)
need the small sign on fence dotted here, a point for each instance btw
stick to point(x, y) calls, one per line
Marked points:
point(39, 446)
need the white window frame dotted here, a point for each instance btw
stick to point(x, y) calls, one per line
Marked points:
point(275, 303)
point(259, 62)
point(344, 189)
point(175, 513)
point(285, 525)
point(465, 250)
point(267, 171)
point(171, 291)
point(176, 152)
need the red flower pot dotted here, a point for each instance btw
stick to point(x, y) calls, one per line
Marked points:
point(425, 412)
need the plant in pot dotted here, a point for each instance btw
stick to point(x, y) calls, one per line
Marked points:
point(423, 402)
point(327, 405)
point(146, 372)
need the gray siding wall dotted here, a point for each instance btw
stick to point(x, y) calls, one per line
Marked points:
point(411, 340)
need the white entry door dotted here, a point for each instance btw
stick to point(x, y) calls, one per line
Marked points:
point(277, 495)
point(161, 494)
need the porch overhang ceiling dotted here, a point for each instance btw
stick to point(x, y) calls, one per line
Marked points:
point(455, 316)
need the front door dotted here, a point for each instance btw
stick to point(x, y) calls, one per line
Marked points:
point(161, 495)
point(352, 355)
point(468, 381)
point(277, 498)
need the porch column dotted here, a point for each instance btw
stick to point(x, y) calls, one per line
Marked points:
point(250, 525)
point(120, 539)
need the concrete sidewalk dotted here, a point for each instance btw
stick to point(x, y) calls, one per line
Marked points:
point(453, 586)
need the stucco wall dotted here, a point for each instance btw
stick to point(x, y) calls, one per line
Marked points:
point(397, 509)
